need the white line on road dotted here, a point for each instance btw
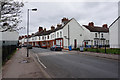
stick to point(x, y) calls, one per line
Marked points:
point(40, 61)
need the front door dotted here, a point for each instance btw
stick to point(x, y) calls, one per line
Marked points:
point(75, 43)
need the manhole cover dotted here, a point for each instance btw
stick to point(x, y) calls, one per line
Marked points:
point(24, 61)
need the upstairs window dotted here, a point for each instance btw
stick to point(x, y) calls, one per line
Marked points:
point(43, 38)
point(60, 34)
point(57, 34)
point(47, 37)
point(96, 35)
point(102, 35)
point(53, 35)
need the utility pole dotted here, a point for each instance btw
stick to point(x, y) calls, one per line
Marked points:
point(27, 32)
point(28, 29)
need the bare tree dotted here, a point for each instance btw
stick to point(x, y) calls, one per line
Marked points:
point(10, 15)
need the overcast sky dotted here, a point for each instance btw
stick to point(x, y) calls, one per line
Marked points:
point(51, 13)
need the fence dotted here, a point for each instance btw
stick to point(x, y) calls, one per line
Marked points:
point(7, 50)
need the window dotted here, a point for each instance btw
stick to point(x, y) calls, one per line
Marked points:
point(43, 38)
point(32, 38)
point(95, 43)
point(95, 34)
point(53, 35)
point(60, 34)
point(102, 35)
point(47, 37)
point(57, 34)
point(36, 38)
point(86, 42)
point(48, 43)
point(3, 41)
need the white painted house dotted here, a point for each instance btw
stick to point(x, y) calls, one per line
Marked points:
point(96, 36)
point(69, 33)
point(114, 29)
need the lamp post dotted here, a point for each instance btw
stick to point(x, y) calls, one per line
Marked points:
point(28, 28)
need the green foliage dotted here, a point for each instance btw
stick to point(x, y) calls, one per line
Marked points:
point(108, 51)
point(10, 14)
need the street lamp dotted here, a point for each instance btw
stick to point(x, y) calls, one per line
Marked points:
point(28, 28)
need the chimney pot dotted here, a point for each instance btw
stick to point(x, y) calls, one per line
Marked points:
point(44, 29)
point(91, 24)
point(52, 28)
point(104, 26)
point(40, 29)
point(65, 20)
point(59, 25)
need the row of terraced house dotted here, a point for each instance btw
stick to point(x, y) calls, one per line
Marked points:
point(69, 33)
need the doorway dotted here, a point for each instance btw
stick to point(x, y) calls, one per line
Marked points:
point(75, 43)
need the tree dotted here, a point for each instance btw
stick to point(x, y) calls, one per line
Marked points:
point(10, 15)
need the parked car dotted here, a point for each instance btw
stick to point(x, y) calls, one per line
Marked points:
point(56, 48)
point(29, 46)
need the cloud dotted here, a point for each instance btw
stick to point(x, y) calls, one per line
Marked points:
point(51, 13)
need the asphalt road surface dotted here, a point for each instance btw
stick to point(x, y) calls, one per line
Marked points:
point(62, 64)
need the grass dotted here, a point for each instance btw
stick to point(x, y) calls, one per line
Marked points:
point(100, 50)
point(108, 51)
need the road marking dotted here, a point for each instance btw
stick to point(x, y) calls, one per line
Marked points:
point(40, 61)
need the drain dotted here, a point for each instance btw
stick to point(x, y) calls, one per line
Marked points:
point(24, 61)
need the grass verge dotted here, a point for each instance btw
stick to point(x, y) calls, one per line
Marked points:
point(99, 50)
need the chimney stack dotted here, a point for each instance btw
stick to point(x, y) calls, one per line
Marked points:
point(52, 28)
point(20, 37)
point(32, 33)
point(91, 24)
point(26, 36)
point(44, 29)
point(29, 36)
point(65, 20)
point(104, 26)
point(40, 29)
point(59, 25)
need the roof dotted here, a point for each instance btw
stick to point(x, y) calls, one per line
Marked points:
point(50, 31)
point(114, 21)
point(96, 28)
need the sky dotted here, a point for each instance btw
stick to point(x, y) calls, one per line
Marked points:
point(51, 13)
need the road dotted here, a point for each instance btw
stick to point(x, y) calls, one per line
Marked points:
point(63, 64)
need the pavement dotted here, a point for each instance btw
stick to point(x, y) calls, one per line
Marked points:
point(19, 66)
point(74, 64)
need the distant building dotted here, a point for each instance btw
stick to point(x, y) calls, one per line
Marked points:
point(115, 34)
point(96, 36)
point(69, 33)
